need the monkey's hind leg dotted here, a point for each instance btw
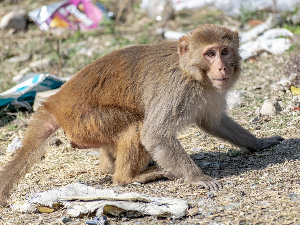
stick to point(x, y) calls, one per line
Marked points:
point(43, 125)
point(107, 161)
point(132, 159)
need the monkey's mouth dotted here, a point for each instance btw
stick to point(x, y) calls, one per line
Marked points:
point(220, 80)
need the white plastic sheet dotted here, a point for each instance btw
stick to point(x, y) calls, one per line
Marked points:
point(90, 199)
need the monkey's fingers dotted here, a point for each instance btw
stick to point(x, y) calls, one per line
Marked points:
point(208, 183)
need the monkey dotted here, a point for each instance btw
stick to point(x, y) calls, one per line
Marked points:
point(133, 102)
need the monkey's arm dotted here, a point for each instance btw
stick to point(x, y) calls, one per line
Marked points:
point(231, 131)
point(160, 140)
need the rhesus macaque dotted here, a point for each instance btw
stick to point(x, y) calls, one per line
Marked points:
point(133, 102)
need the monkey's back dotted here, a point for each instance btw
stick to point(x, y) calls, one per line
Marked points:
point(110, 93)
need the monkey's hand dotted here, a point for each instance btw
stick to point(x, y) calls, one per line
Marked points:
point(206, 181)
point(269, 142)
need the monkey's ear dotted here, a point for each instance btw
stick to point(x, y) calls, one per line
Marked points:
point(183, 45)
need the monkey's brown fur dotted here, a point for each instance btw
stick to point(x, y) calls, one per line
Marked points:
point(133, 102)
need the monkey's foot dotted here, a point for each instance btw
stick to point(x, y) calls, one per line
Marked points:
point(206, 181)
point(269, 142)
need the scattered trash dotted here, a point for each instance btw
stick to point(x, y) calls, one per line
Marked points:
point(14, 145)
point(295, 91)
point(272, 21)
point(103, 201)
point(172, 34)
point(26, 91)
point(14, 20)
point(161, 10)
point(263, 38)
point(232, 7)
point(97, 221)
point(285, 83)
point(71, 14)
point(270, 108)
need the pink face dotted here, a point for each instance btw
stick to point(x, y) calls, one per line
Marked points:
point(220, 63)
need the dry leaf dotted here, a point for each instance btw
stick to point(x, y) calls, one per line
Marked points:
point(295, 91)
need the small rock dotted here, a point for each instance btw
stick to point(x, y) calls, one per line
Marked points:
point(292, 195)
point(210, 195)
point(97, 221)
point(282, 85)
point(193, 211)
point(254, 120)
point(65, 219)
point(14, 145)
point(195, 150)
point(218, 219)
point(13, 20)
point(293, 76)
point(270, 108)
point(55, 142)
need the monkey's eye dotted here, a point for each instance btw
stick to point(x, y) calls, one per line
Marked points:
point(224, 52)
point(210, 53)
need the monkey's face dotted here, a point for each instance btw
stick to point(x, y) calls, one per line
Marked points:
point(220, 65)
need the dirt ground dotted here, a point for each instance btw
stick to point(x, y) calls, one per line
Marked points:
point(260, 188)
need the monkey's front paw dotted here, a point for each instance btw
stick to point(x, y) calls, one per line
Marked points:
point(269, 142)
point(206, 181)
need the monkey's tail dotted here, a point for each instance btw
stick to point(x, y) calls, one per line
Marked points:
point(43, 125)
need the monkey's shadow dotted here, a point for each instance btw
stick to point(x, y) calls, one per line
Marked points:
point(224, 164)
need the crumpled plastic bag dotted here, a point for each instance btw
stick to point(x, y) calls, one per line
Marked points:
point(25, 92)
point(71, 14)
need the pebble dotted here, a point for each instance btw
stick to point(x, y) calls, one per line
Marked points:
point(210, 194)
point(193, 211)
point(270, 108)
point(65, 219)
point(14, 145)
point(55, 142)
point(97, 221)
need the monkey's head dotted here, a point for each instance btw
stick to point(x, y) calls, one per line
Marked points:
point(210, 55)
